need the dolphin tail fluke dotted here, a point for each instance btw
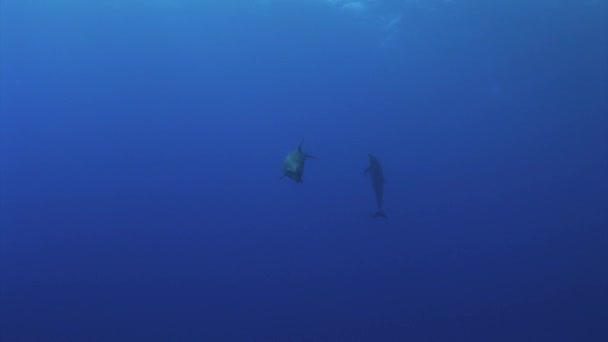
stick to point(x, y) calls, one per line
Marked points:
point(379, 213)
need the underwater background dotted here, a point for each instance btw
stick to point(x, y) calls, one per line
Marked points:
point(140, 160)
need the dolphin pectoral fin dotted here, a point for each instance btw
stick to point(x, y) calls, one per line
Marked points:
point(311, 156)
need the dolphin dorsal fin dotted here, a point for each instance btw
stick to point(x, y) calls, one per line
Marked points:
point(300, 146)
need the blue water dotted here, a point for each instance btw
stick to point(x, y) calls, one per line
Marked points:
point(142, 144)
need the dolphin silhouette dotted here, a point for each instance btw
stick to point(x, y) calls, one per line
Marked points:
point(377, 176)
point(293, 165)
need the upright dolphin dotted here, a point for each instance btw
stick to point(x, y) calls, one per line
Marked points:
point(293, 165)
point(375, 171)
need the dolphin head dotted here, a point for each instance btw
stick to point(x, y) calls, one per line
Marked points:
point(293, 165)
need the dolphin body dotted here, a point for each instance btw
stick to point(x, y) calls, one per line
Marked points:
point(293, 165)
point(375, 171)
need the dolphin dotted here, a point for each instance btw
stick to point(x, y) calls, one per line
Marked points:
point(375, 171)
point(293, 165)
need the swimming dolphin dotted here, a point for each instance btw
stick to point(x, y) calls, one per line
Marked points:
point(293, 165)
point(375, 171)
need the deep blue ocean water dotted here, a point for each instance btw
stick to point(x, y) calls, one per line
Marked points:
point(142, 144)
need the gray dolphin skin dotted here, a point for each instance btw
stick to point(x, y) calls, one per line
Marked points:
point(375, 172)
point(293, 165)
